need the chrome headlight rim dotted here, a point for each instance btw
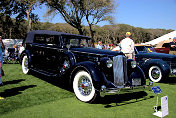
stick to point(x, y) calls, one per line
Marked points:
point(133, 64)
point(109, 63)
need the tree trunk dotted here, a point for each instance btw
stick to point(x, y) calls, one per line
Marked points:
point(80, 31)
point(92, 34)
point(10, 33)
point(79, 28)
point(29, 20)
point(91, 31)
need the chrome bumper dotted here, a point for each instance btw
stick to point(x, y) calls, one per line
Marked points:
point(173, 71)
point(112, 91)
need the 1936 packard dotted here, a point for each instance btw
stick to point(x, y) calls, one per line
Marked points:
point(92, 72)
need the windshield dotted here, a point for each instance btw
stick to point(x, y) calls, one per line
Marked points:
point(75, 41)
point(145, 49)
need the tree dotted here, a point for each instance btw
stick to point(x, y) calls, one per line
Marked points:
point(27, 6)
point(96, 11)
point(7, 8)
point(75, 11)
point(22, 9)
point(69, 10)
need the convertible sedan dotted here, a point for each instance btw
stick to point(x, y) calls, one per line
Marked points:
point(157, 66)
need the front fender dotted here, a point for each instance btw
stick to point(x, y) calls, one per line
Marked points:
point(98, 77)
point(157, 62)
point(137, 73)
point(71, 57)
point(25, 52)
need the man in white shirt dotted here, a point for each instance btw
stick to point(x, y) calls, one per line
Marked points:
point(99, 46)
point(20, 50)
point(127, 46)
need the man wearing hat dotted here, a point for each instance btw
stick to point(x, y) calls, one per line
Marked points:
point(173, 46)
point(127, 46)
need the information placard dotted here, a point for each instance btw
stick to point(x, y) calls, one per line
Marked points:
point(164, 106)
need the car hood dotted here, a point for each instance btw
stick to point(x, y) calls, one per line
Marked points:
point(155, 55)
point(95, 51)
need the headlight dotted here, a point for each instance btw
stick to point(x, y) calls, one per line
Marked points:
point(133, 64)
point(109, 63)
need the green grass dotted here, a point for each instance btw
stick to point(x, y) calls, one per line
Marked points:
point(29, 96)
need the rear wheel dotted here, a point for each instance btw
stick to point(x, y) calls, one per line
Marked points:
point(25, 65)
point(155, 74)
point(83, 87)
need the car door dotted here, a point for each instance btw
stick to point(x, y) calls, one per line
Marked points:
point(37, 51)
point(53, 53)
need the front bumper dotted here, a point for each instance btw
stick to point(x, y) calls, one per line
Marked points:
point(173, 71)
point(112, 91)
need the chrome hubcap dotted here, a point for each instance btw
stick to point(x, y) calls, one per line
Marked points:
point(155, 73)
point(84, 86)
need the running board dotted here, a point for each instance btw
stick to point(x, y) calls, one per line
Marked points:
point(44, 72)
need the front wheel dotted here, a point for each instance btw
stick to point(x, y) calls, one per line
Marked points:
point(155, 74)
point(25, 65)
point(83, 87)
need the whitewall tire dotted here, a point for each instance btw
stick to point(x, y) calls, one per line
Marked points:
point(155, 74)
point(83, 87)
point(25, 64)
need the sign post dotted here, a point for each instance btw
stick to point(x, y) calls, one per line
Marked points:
point(164, 103)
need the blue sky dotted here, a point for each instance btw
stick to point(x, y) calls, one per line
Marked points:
point(138, 13)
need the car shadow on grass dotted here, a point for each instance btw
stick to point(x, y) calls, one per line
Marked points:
point(13, 81)
point(61, 82)
point(124, 99)
point(120, 100)
point(15, 91)
point(170, 80)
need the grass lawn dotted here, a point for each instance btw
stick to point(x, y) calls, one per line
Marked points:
point(31, 96)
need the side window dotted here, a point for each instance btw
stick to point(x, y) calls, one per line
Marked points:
point(166, 45)
point(52, 40)
point(74, 42)
point(83, 42)
point(70, 41)
point(39, 39)
point(90, 44)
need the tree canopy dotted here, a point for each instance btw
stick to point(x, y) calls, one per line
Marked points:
point(74, 12)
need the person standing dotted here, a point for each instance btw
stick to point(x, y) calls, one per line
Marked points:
point(127, 46)
point(2, 47)
point(99, 46)
point(21, 49)
point(173, 47)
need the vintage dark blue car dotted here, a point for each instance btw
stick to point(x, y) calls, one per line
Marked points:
point(156, 66)
point(92, 72)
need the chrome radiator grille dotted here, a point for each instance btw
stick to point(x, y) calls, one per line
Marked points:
point(120, 70)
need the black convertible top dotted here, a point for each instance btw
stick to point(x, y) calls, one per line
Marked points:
point(30, 35)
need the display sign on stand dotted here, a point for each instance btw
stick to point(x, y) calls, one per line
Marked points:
point(164, 103)
point(156, 89)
